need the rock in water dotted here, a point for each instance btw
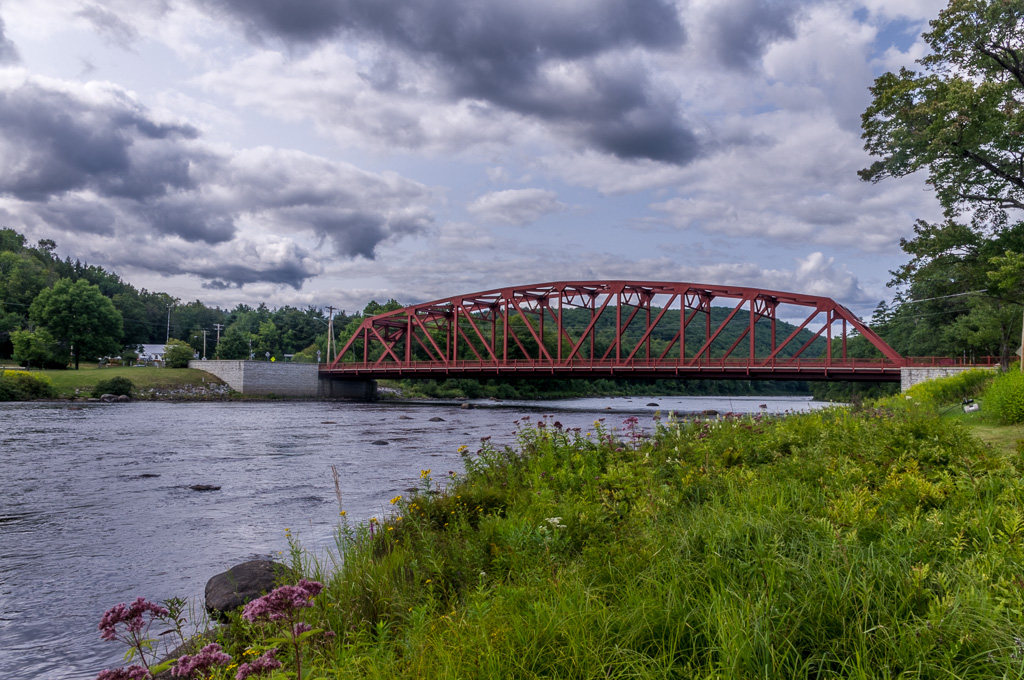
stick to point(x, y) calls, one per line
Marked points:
point(204, 487)
point(653, 403)
point(380, 442)
point(437, 419)
point(242, 583)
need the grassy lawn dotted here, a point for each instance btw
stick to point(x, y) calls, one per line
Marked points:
point(985, 427)
point(144, 378)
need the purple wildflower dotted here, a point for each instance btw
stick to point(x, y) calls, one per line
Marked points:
point(282, 602)
point(260, 666)
point(208, 657)
point(130, 673)
point(300, 628)
point(130, 615)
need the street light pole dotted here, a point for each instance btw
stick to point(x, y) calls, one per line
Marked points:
point(168, 323)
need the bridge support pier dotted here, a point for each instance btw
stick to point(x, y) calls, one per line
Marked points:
point(353, 390)
point(910, 376)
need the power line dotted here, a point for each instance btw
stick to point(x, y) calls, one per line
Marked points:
point(943, 297)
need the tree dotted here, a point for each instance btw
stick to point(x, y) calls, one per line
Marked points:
point(267, 340)
point(79, 317)
point(177, 353)
point(235, 343)
point(38, 348)
point(949, 302)
point(962, 118)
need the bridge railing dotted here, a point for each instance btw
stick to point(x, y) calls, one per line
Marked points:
point(952, 361)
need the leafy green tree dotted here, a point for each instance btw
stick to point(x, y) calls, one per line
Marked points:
point(268, 339)
point(298, 327)
point(308, 354)
point(946, 302)
point(962, 117)
point(133, 316)
point(79, 317)
point(177, 353)
point(39, 348)
point(11, 241)
point(235, 343)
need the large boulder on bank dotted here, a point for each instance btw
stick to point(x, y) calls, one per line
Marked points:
point(242, 583)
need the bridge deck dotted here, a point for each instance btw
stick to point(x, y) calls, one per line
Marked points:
point(861, 370)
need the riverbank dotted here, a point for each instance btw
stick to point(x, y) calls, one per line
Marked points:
point(184, 384)
point(838, 543)
point(150, 382)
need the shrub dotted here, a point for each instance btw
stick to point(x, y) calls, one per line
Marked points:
point(118, 385)
point(1005, 398)
point(20, 386)
point(177, 354)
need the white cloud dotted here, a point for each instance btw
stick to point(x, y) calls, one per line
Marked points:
point(516, 206)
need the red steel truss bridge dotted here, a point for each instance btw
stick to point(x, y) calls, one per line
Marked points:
point(616, 329)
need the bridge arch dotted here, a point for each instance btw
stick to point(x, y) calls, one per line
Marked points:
point(638, 329)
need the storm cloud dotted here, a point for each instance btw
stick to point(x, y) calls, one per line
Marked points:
point(739, 32)
point(578, 66)
point(90, 159)
point(53, 141)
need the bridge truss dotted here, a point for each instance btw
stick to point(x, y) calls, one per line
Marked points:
point(606, 329)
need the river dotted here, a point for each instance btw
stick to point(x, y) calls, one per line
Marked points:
point(97, 509)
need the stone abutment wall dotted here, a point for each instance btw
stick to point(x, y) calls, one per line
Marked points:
point(286, 380)
point(912, 375)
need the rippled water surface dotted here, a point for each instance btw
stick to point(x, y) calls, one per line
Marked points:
point(96, 507)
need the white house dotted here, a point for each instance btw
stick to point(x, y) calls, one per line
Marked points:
point(151, 353)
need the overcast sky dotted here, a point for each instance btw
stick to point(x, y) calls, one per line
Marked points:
point(327, 152)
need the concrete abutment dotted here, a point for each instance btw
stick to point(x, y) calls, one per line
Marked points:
point(912, 375)
point(286, 379)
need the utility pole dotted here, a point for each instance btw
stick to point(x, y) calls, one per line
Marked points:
point(204, 343)
point(216, 348)
point(330, 331)
point(168, 323)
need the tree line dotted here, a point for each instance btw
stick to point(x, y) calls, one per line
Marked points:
point(56, 312)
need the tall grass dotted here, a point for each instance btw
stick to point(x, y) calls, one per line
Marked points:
point(856, 544)
point(954, 388)
point(1005, 397)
